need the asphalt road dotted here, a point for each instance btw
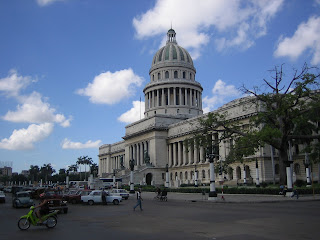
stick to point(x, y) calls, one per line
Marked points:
point(174, 219)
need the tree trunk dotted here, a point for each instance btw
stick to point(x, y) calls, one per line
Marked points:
point(283, 157)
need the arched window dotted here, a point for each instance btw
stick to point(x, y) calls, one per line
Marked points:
point(181, 177)
point(171, 176)
point(153, 77)
point(186, 175)
point(159, 76)
point(203, 174)
point(175, 74)
point(176, 176)
point(167, 75)
point(184, 75)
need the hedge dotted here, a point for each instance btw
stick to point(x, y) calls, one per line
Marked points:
point(229, 190)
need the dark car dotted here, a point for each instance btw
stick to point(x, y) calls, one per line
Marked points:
point(51, 195)
point(76, 198)
point(58, 204)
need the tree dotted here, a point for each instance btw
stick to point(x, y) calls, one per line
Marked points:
point(287, 110)
point(84, 160)
point(73, 168)
point(46, 171)
point(94, 169)
point(34, 172)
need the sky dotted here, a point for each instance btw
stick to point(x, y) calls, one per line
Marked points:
point(72, 72)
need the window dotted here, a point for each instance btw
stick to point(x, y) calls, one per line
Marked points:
point(184, 75)
point(175, 74)
point(167, 75)
point(159, 76)
point(186, 175)
point(203, 174)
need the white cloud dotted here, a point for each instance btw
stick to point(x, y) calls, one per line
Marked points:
point(43, 3)
point(67, 144)
point(306, 37)
point(34, 109)
point(222, 93)
point(237, 23)
point(134, 114)
point(24, 139)
point(13, 83)
point(110, 88)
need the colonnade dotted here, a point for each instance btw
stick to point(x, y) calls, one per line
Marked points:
point(109, 163)
point(137, 151)
point(173, 96)
point(180, 155)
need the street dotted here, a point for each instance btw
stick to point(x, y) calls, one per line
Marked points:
point(174, 219)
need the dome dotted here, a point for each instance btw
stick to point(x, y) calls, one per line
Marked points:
point(172, 53)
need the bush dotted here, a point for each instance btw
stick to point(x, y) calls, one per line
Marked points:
point(300, 183)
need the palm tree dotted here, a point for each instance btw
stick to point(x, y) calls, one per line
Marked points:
point(79, 163)
point(47, 170)
point(87, 161)
point(73, 168)
point(34, 172)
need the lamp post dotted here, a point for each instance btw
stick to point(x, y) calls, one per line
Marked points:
point(167, 176)
point(114, 177)
point(195, 176)
point(212, 194)
point(131, 164)
point(257, 174)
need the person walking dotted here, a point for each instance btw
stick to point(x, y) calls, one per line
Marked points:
point(139, 199)
point(104, 197)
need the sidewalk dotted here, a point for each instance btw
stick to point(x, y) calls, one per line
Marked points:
point(233, 198)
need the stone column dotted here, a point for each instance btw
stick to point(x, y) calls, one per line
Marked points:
point(174, 155)
point(190, 153)
point(158, 98)
point(169, 96)
point(191, 100)
point(185, 96)
point(170, 155)
point(179, 154)
point(175, 96)
point(202, 154)
point(180, 96)
point(195, 154)
point(184, 159)
point(163, 97)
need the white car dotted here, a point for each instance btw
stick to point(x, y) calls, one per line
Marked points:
point(120, 192)
point(96, 197)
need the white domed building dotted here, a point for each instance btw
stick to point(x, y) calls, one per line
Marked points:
point(173, 106)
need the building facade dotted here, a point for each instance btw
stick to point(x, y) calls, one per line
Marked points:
point(173, 106)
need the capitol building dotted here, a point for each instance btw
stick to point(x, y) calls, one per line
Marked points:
point(173, 106)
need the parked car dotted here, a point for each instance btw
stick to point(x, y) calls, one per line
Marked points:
point(58, 204)
point(2, 197)
point(76, 198)
point(8, 189)
point(96, 197)
point(120, 192)
point(22, 199)
point(50, 194)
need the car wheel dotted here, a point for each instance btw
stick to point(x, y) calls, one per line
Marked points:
point(116, 202)
point(90, 202)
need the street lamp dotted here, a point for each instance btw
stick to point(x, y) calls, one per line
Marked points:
point(195, 176)
point(212, 193)
point(167, 176)
point(131, 164)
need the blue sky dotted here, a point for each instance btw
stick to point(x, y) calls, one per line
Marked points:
point(72, 72)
